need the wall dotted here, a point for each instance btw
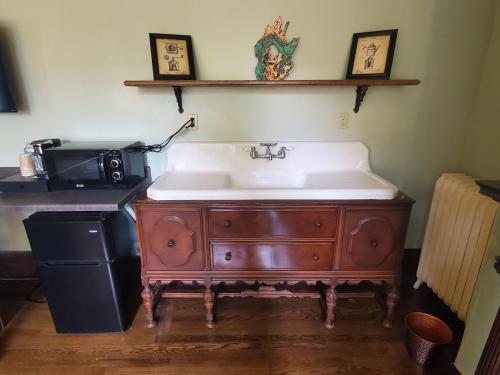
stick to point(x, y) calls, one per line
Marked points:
point(483, 309)
point(481, 158)
point(72, 57)
point(481, 154)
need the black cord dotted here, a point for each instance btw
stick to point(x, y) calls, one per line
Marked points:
point(160, 146)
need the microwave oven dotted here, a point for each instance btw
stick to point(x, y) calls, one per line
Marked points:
point(94, 165)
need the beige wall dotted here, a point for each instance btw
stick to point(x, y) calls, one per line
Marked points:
point(481, 154)
point(481, 158)
point(73, 56)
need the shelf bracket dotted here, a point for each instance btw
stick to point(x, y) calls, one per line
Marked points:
point(360, 95)
point(178, 97)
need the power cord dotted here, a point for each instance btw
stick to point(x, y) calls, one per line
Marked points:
point(159, 147)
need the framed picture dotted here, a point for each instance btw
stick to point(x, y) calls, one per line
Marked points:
point(371, 54)
point(172, 56)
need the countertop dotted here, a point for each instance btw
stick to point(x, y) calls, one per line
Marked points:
point(68, 200)
point(490, 188)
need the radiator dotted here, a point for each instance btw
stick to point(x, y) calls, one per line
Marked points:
point(455, 241)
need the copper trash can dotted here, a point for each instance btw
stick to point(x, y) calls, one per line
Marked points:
point(425, 333)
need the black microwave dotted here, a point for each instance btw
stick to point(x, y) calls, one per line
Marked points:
point(94, 165)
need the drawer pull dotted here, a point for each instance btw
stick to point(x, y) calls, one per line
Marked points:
point(228, 256)
point(373, 243)
point(315, 257)
point(171, 243)
point(227, 223)
point(317, 225)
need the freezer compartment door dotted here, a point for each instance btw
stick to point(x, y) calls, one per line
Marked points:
point(91, 298)
point(71, 237)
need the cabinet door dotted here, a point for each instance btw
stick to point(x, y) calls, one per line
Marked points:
point(171, 240)
point(373, 240)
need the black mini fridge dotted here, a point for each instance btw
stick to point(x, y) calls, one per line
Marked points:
point(89, 268)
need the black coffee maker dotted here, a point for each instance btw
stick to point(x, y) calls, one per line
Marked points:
point(36, 149)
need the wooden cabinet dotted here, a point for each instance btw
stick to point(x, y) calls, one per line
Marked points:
point(171, 239)
point(284, 242)
point(372, 239)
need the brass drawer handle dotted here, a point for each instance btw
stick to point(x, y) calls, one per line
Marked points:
point(171, 243)
point(227, 223)
point(228, 256)
point(317, 225)
point(373, 243)
point(315, 257)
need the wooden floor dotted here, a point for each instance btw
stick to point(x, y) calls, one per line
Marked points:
point(252, 336)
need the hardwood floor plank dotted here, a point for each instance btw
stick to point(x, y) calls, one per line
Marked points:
point(252, 336)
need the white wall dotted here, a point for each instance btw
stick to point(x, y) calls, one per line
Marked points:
point(72, 57)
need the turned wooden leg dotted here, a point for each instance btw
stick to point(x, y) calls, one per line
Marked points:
point(391, 302)
point(331, 302)
point(148, 302)
point(209, 298)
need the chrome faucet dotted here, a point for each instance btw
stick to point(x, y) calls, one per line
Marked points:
point(254, 154)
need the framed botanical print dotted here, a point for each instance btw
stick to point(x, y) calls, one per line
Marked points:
point(371, 54)
point(172, 56)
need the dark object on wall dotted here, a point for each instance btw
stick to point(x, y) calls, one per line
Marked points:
point(490, 359)
point(371, 54)
point(17, 265)
point(172, 56)
point(7, 103)
point(89, 268)
point(491, 188)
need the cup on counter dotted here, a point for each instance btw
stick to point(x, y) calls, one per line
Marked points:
point(26, 165)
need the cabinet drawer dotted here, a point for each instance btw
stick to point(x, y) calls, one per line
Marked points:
point(171, 239)
point(271, 223)
point(285, 256)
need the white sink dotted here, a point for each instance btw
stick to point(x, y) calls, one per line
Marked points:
point(311, 170)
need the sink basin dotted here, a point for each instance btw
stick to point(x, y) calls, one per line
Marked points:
point(310, 170)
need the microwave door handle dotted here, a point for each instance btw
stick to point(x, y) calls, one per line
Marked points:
point(100, 166)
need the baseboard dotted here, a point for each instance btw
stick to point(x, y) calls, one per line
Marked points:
point(17, 265)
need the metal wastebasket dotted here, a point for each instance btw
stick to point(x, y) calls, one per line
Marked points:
point(425, 333)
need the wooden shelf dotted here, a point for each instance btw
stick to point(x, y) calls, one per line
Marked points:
point(360, 84)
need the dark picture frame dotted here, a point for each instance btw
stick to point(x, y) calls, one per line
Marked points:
point(172, 57)
point(371, 54)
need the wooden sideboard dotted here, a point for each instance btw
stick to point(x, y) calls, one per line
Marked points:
point(272, 242)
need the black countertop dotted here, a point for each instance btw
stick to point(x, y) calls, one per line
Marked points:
point(68, 200)
point(490, 188)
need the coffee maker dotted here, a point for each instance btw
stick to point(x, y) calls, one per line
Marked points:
point(36, 148)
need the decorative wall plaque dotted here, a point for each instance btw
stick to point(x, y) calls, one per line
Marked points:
point(274, 53)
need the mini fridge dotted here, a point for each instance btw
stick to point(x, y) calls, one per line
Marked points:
point(89, 268)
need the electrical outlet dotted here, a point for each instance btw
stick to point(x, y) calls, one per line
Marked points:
point(195, 117)
point(343, 122)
